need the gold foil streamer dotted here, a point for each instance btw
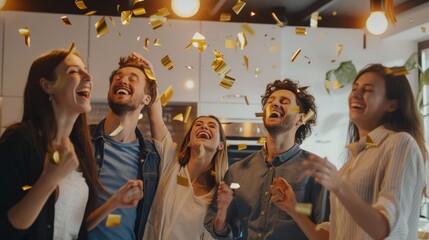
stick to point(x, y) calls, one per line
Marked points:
point(72, 49)
point(274, 48)
point(229, 43)
point(117, 130)
point(278, 22)
point(225, 17)
point(166, 96)
point(202, 151)
point(259, 114)
point(246, 61)
point(262, 140)
point(138, 9)
point(90, 13)
point(26, 187)
point(187, 113)
point(101, 27)
point(166, 61)
point(300, 31)
point(183, 181)
point(66, 20)
point(113, 220)
point(248, 29)
point(238, 7)
point(178, 117)
point(339, 49)
point(218, 65)
point(227, 82)
point(241, 37)
point(295, 55)
point(310, 114)
point(149, 74)
point(234, 186)
point(126, 17)
point(80, 4)
point(156, 21)
point(314, 19)
point(156, 42)
point(397, 71)
point(25, 32)
point(294, 109)
point(304, 208)
point(241, 147)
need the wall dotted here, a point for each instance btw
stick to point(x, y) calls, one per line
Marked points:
point(269, 49)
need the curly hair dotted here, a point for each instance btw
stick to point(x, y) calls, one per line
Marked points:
point(304, 100)
point(142, 64)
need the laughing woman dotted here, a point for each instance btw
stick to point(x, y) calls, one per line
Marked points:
point(378, 192)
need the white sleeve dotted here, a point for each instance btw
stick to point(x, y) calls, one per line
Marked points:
point(167, 150)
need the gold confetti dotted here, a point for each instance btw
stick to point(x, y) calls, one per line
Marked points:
point(229, 43)
point(252, 13)
point(140, 116)
point(187, 113)
point(56, 158)
point(241, 147)
point(369, 142)
point(295, 55)
point(126, 17)
point(278, 22)
point(159, 18)
point(238, 7)
point(248, 29)
point(113, 220)
point(334, 13)
point(246, 61)
point(156, 42)
point(80, 4)
point(202, 151)
point(268, 111)
point(90, 13)
point(166, 96)
point(71, 50)
point(262, 140)
point(146, 44)
point(304, 208)
point(26, 187)
point(227, 82)
point(300, 31)
point(396, 71)
point(163, 12)
point(337, 85)
point(198, 41)
point(246, 100)
point(339, 49)
point(189, 67)
point(178, 117)
point(257, 72)
point(225, 17)
point(101, 27)
point(218, 65)
point(183, 181)
point(234, 186)
point(423, 29)
point(138, 9)
point(117, 130)
point(166, 61)
point(259, 114)
point(66, 20)
point(25, 32)
point(314, 19)
point(310, 114)
point(241, 37)
point(295, 109)
point(149, 74)
point(274, 48)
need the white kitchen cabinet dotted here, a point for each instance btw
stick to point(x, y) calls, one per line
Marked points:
point(47, 32)
point(173, 36)
point(262, 50)
point(12, 108)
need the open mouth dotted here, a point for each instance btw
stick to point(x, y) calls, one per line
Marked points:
point(203, 135)
point(356, 106)
point(122, 91)
point(275, 114)
point(84, 92)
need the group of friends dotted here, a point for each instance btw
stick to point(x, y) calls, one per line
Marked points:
point(61, 179)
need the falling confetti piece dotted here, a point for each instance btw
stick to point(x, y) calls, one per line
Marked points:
point(138, 9)
point(304, 208)
point(166, 96)
point(187, 113)
point(178, 117)
point(113, 220)
point(295, 55)
point(246, 61)
point(225, 17)
point(66, 20)
point(101, 27)
point(25, 32)
point(227, 82)
point(238, 7)
point(156, 42)
point(310, 114)
point(278, 22)
point(229, 43)
point(300, 31)
point(183, 181)
point(314, 19)
point(241, 37)
point(26, 187)
point(248, 29)
point(126, 17)
point(117, 130)
point(257, 72)
point(166, 62)
point(423, 29)
point(234, 186)
point(149, 74)
point(339, 49)
point(262, 140)
point(80, 4)
point(241, 147)
point(90, 13)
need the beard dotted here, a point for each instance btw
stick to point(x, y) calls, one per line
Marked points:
point(121, 109)
point(284, 126)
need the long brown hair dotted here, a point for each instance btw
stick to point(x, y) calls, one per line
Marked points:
point(38, 110)
point(219, 163)
point(406, 118)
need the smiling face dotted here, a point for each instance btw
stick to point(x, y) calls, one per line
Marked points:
point(71, 89)
point(368, 103)
point(127, 91)
point(206, 131)
point(278, 117)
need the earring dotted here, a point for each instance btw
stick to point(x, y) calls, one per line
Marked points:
point(50, 98)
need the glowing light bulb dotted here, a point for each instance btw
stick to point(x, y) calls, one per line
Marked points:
point(377, 23)
point(2, 3)
point(185, 8)
point(189, 84)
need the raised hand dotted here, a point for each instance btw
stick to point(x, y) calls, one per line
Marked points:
point(282, 195)
point(129, 194)
point(324, 172)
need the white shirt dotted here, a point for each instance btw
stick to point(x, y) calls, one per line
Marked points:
point(386, 170)
point(176, 212)
point(70, 206)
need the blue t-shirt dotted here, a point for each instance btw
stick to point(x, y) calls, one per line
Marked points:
point(121, 163)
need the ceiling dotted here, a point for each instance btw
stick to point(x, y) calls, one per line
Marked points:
point(333, 13)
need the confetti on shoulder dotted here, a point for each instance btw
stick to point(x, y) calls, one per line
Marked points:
point(234, 186)
point(116, 131)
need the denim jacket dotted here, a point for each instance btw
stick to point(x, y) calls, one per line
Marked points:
point(149, 172)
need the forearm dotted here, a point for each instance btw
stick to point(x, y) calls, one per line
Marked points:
point(309, 228)
point(219, 223)
point(99, 214)
point(369, 219)
point(23, 214)
point(157, 126)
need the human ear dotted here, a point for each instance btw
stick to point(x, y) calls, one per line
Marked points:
point(46, 85)
point(393, 105)
point(220, 146)
point(146, 99)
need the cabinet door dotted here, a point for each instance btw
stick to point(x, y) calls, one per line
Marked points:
point(173, 36)
point(262, 51)
point(47, 32)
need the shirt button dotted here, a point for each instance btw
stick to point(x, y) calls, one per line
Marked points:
point(266, 193)
point(98, 156)
point(262, 213)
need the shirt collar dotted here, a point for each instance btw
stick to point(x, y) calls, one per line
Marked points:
point(282, 158)
point(373, 139)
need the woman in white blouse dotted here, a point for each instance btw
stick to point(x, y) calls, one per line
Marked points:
point(189, 176)
point(378, 191)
